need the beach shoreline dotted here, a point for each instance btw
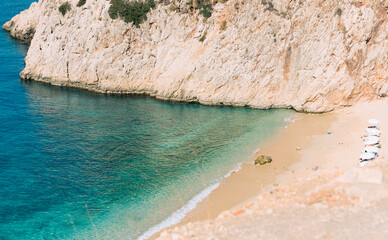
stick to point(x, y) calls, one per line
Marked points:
point(256, 179)
point(313, 147)
point(243, 185)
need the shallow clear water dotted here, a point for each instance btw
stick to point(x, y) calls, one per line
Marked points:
point(79, 165)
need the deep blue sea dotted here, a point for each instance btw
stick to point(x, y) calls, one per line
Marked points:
point(80, 165)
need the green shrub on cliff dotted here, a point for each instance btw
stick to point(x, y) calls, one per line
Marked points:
point(205, 8)
point(223, 25)
point(339, 11)
point(81, 3)
point(133, 11)
point(64, 8)
point(202, 39)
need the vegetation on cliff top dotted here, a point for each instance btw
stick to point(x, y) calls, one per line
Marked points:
point(205, 8)
point(81, 3)
point(134, 11)
point(64, 8)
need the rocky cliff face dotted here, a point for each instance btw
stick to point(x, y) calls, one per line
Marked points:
point(310, 55)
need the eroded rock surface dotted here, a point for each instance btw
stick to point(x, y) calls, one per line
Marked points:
point(306, 55)
point(23, 25)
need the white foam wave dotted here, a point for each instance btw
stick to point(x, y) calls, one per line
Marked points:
point(177, 216)
point(287, 119)
point(255, 153)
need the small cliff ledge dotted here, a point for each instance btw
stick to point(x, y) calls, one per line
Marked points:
point(307, 55)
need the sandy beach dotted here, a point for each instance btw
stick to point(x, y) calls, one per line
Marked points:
point(254, 179)
point(315, 175)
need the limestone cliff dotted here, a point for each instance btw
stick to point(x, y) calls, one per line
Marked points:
point(310, 55)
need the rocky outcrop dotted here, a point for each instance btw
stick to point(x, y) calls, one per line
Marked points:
point(23, 25)
point(306, 55)
point(263, 160)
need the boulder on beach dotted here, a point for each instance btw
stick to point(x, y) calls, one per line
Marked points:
point(263, 160)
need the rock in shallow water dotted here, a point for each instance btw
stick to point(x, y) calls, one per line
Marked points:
point(263, 160)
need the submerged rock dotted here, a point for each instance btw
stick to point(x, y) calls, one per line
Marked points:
point(263, 160)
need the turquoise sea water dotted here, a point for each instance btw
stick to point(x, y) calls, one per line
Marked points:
point(80, 165)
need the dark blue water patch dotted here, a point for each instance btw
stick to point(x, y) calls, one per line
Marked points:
point(82, 165)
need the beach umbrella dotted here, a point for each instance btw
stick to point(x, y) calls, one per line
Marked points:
point(373, 121)
point(363, 163)
point(367, 156)
point(371, 141)
point(373, 138)
point(373, 134)
point(373, 131)
point(371, 149)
